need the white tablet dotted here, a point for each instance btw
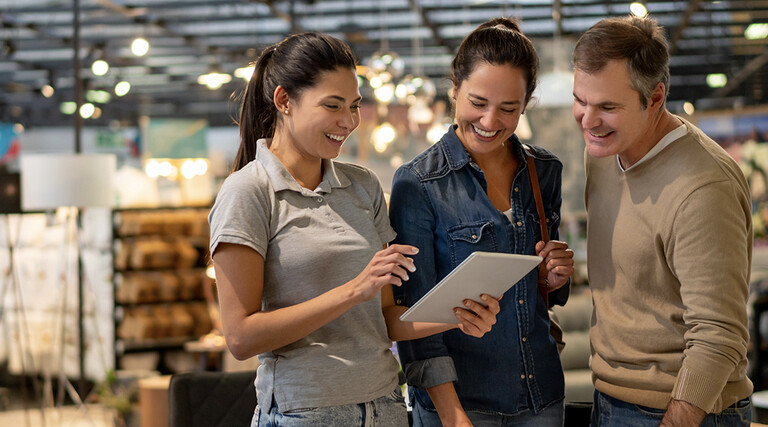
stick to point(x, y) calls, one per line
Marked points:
point(480, 273)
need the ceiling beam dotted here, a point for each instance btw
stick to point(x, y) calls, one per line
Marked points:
point(429, 24)
point(693, 6)
point(752, 66)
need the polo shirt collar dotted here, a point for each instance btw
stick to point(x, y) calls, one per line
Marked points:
point(283, 180)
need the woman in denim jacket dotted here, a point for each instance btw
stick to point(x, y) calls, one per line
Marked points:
point(471, 192)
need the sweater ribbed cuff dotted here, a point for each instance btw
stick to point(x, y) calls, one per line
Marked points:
point(698, 388)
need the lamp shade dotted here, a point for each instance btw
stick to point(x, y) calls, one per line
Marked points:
point(50, 181)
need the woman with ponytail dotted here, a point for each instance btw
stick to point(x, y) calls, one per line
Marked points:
point(296, 241)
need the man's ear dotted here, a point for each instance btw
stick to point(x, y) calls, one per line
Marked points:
point(658, 96)
point(281, 100)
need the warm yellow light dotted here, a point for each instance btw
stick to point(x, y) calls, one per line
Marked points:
point(214, 80)
point(638, 9)
point(47, 91)
point(382, 136)
point(201, 167)
point(756, 31)
point(244, 73)
point(188, 169)
point(688, 108)
point(122, 88)
point(384, 93)
point(152, 169)
point(716, 80)
point(68, 107)
point(139, 47)
point(87, 110)
point(435, 132)
point(100, 67)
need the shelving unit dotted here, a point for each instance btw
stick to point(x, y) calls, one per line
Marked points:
point(159, 261)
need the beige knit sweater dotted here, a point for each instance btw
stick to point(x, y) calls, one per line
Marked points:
point(669, 253)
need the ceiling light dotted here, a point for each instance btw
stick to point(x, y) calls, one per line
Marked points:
point(100, 67)
point(716, 80)
point(100, 96)
point(122, 88)
point(638, 9)
point(140, 46)
point(245, 73)
point(87, 110)
point(214, 80)
point(68, 107)
point(47, 91)
point(382, 136)
point(436, 132)
point(756, 31)
point(688, 108)
point(384, 93)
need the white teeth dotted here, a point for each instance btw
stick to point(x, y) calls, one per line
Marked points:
point(599, 135)
point(335, 137)
point(484, 133)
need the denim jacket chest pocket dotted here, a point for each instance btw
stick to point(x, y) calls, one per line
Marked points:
point(533, 218)
point(463, 239)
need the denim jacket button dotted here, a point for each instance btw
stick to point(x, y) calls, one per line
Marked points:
point(530, 376)
point(525, 339)
point(520, 301)
point(517, 189)
point(474, 236)
point(519, 223)
point(522, 376)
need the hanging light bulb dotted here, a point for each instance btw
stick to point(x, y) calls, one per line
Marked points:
point(87, 110)
point(140, 46)
point(100, 67)
point(122, 88)
point(382, 136)
point(385, 93)
point(638, 9)
point(214, 80)
point(47, 91)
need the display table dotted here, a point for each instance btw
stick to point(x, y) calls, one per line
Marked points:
point(153, 401)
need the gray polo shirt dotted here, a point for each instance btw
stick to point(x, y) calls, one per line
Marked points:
point(312, 242)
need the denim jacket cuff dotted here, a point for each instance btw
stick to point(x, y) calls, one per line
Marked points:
point(430, 372)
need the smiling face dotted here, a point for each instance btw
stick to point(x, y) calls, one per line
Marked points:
point(323, 116)
point(611, 116)
point(488, 106)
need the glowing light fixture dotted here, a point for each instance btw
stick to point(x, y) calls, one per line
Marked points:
point(122, 88)
point(214, 80)
point(688, 108)
point(756, 31)
point(382, 136)
point(435, 132)
point(384, 93)
point(245, 73)
point(100, 67)
point(47, 91)
point(140, 46)
point(100, 96)
point(638, 9)
point(87, 110)
point(716, 80)
point(68, 107)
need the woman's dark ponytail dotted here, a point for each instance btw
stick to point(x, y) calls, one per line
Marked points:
point(257, 114)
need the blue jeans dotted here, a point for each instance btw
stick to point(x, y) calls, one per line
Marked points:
point(610, 412)
point(386, 411)
point(550, 417)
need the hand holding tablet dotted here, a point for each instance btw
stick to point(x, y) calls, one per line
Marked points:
point(480, 273)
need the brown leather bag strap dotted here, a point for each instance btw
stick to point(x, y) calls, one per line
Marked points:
point(543, 285)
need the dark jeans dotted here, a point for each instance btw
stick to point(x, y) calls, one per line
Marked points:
point(610, 412)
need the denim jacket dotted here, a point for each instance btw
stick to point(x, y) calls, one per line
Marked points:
point(440, 205)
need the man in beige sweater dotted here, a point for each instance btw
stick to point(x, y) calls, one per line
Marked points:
point(669, 237)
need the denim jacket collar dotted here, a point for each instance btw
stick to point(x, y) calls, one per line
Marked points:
point(457, 155)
